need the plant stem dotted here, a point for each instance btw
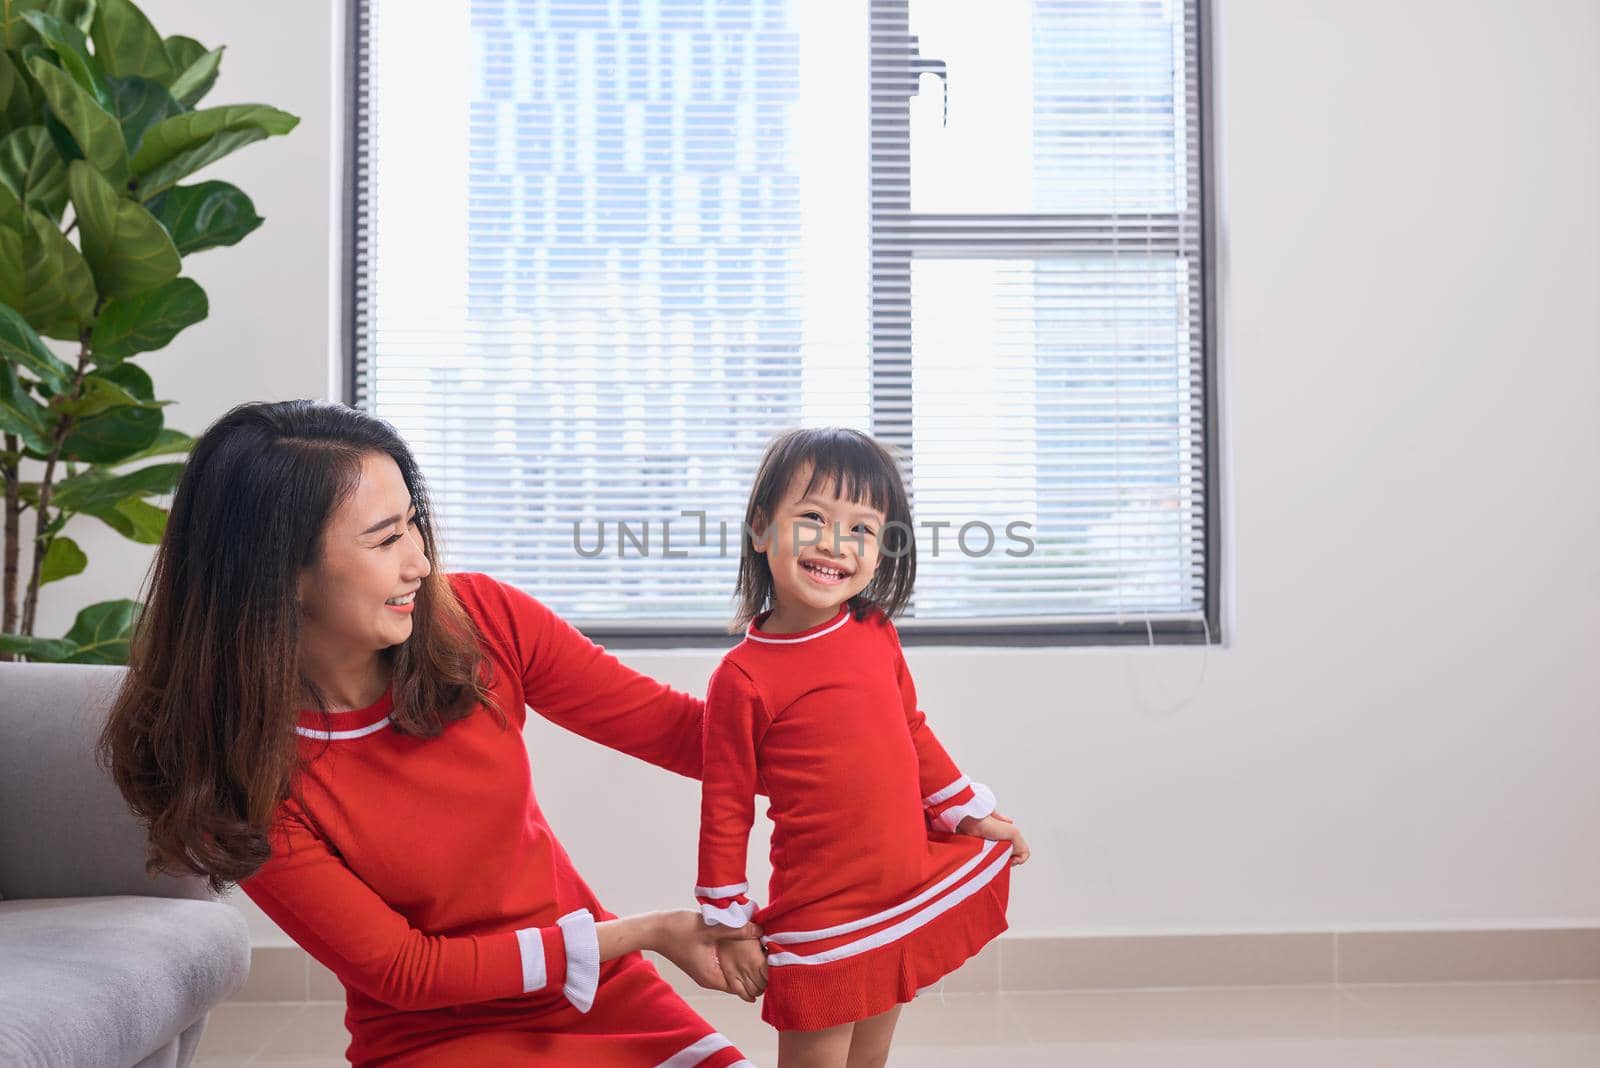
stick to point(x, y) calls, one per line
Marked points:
point(30, 605)
point(11, 471)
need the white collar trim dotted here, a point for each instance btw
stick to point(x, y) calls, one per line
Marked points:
point(337, 736)
point(749, 632)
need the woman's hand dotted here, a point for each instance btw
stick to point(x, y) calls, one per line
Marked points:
point(996, 827)
point(697, 948)
point(744, 966)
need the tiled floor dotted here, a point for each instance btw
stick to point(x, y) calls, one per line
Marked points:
point(1461, 1025)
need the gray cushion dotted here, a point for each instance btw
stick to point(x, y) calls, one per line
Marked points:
point(100, 981)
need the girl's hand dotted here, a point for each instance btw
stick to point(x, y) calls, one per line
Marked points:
point(996, 827)
point(695, 946)
point(744, 965)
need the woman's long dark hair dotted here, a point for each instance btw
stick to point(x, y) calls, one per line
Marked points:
point(200, 737)
point(861, 469)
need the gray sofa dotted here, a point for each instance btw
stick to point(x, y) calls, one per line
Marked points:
point(100, 964)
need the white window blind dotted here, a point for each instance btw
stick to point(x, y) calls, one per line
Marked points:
point(603, 251)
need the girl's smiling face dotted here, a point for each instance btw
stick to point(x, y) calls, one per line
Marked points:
point(822, 550)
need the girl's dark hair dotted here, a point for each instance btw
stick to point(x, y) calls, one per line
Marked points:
point(200, 738)
point(860, 469)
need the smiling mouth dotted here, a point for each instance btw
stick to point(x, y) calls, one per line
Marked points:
point(824, 573)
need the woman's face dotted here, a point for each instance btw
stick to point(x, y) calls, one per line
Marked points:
point(371, 553)
point(822, 548)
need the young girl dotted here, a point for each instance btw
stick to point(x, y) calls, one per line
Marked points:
point(889, 866)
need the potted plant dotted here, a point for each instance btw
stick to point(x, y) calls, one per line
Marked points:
point(101, 131)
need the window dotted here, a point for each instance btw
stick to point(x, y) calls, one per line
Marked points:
point(602, 251)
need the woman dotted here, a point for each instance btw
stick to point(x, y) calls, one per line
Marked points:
point(313, 712)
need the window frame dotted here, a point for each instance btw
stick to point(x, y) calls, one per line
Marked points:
point(891, 251)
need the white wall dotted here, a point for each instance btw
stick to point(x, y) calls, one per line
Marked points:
point(1401, 732)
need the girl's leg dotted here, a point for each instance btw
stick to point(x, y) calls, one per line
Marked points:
point(828, 1048)
point(869, 1044)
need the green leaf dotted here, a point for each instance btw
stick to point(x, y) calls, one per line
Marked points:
point(139, 104)
point(97, 135)
point(62, 560)
point(10, 214)
point(94, 490)
point(79, 13)
point(103, 631)
point(148, 321)
point(31, 168)
point(123, 434)
point(20, 414)
point(68, 42)
point(127, 249)
point(96, 395)
point(167, 442)
point(199, 73)
point(13, 27)
point(17, 105)
point(38, 650)
point(133, 378)
point(135, 520)
point(207, 215)
point(183, 51)
point(13, 290)
point(126, 43)
point(114, 436)
point(184, 164)
point(191, 129)
point(60, 295)
point(19, 345)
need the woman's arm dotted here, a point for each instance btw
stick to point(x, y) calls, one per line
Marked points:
point(576, 684)
point(327, 909)
point(680, 935)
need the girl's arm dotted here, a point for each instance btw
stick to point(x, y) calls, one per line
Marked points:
point(341, 921)
point(576, 684)
point(736, 718)
point(948, 797)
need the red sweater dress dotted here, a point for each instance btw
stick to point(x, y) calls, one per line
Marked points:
point(423, 873)
point(872, 895)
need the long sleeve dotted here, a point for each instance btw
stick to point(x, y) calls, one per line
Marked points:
point(948, 797)
point(735, 720)
point(576, 684)
point(325, 907)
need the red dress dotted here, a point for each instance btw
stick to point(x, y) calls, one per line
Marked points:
point(423, 873)
point(872, 895)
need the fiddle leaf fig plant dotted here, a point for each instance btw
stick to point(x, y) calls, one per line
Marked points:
point(101, 126)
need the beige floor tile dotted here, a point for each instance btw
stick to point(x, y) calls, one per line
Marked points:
point(980, 975)
point(239, 1030)
point(1170, 1015)
point(276, 974)
point(958, 1020)
point(318, 1031)
point(322, 984)
point(1471, 1009)
point(1461, 1025)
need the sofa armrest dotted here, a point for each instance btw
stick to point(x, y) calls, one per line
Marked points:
point(65, 831)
